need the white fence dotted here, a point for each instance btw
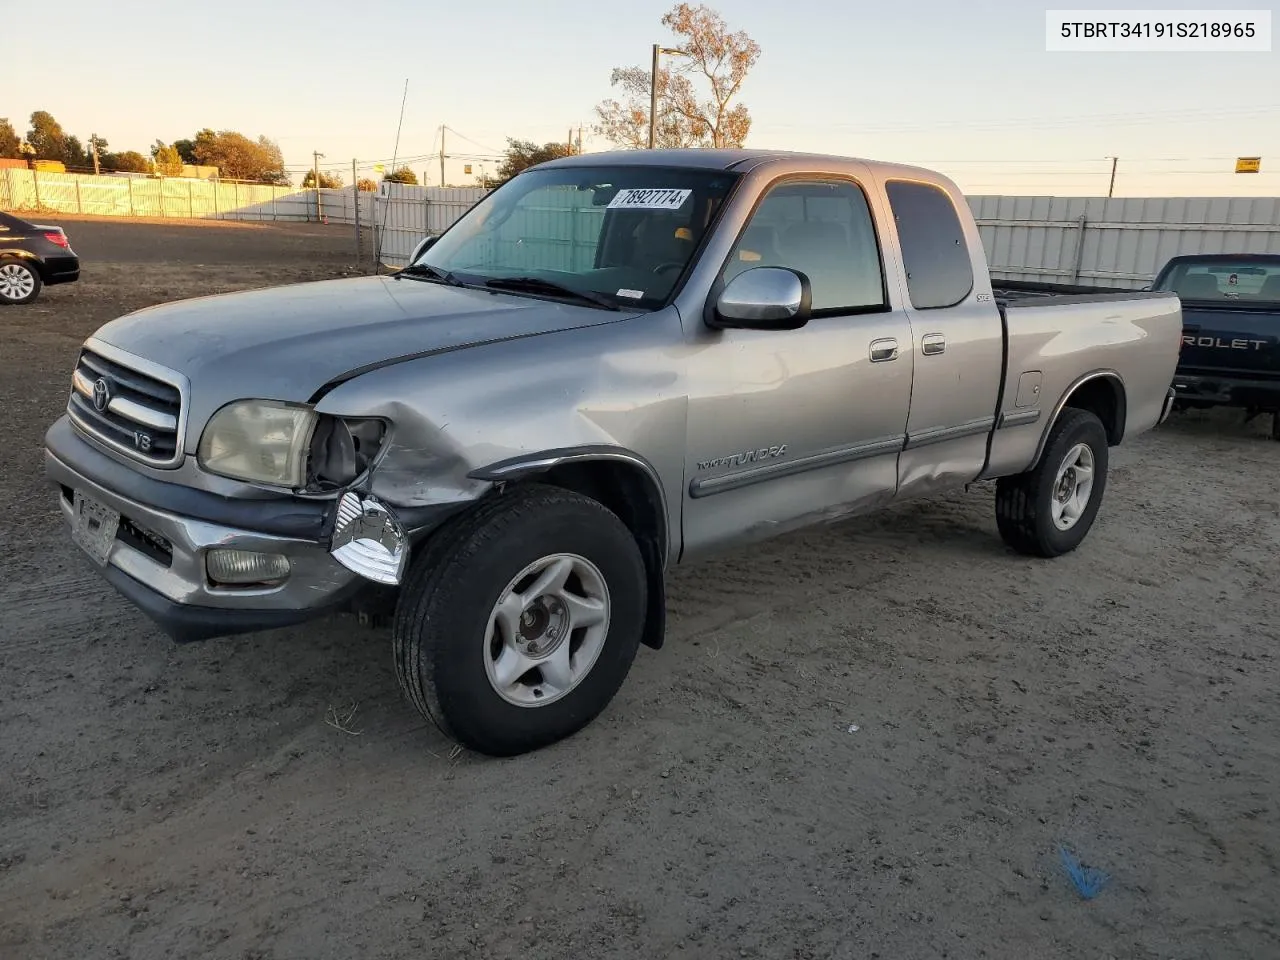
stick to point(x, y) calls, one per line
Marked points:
point(1093, 241)
point(1096, 241)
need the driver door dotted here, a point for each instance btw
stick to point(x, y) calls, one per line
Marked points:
point(785, 427)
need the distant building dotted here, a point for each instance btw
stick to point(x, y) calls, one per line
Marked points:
point(195, 172)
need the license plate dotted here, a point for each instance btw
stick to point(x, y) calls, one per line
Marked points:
point(94, 528)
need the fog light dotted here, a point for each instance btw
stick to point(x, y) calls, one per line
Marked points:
point(246, 566)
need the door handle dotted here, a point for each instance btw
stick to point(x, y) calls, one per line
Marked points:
point(884, 350)
point(932, 344)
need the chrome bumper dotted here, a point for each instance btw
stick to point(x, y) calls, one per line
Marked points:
point(314, 582)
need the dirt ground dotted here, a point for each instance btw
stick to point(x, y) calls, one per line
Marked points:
point(868, 740)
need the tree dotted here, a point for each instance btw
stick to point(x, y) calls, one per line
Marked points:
point(525, 153)
point(167, 158)
point(328, 181)
point(274, 172)
point(128, 161)
point(186, 151)
point(401, 175)
point(709, 52)
point(366, 185)
point(239, 158)
point(51, 142)
point(10, 142)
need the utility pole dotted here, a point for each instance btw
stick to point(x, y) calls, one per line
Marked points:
point(653, 96)
point(315, 172)
point(442, 130)
point(93, 146)
point(579, 138)
point(355, 195)
point(653, 89)
point(1112, 187)
point(569, 143)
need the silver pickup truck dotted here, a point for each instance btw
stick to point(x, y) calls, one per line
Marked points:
point(612, 364)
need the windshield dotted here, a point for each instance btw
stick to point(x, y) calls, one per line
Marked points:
point(620, 235)
point(1245, 280)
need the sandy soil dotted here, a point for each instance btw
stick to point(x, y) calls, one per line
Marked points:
point(868, 740)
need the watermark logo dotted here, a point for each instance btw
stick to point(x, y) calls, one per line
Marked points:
point(1158, 31)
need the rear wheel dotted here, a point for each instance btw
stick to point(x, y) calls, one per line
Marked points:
point(19, 281)
point(1049, 510)
point(519, 623)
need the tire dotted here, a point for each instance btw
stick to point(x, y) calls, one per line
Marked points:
point(1025, 503)
point(447, 659)
point(19, 281)
point(1275, 425)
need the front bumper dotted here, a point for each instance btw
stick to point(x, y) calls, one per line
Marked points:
point(157, 559)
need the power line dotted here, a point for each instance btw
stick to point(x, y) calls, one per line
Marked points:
point(476, 143)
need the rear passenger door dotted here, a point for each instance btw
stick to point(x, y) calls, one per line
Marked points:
point(789, 426)
point(958, 340)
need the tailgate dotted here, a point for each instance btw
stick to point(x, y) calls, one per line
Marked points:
point(1232, 343)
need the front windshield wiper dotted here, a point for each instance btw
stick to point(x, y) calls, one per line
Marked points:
point(427, 272)
point(539, 285)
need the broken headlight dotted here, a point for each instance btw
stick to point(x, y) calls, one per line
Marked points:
point(289, 445)
point(342, 451)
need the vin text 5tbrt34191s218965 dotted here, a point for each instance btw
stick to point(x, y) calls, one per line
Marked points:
point(613, 364)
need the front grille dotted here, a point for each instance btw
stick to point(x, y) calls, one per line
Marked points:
point(130, 411)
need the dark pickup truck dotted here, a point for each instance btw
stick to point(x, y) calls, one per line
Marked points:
point(1230, 331)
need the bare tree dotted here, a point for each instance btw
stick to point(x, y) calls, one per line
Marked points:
point(714, 56)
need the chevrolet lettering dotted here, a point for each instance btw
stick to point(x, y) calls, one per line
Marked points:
point(503, 449)
point(1220, 344)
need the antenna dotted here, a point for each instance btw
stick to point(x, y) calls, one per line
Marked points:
point(377, 254)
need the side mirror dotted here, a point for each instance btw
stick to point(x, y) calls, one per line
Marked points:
point(423, 245)
point(765, 298)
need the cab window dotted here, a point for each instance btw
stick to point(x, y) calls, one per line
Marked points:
point(823, 229)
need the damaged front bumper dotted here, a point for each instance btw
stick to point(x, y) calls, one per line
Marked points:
point(202, 565)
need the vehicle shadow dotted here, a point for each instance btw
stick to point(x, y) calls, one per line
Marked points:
point(1223, 423)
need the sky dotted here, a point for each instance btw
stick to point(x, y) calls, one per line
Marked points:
point(967, 89)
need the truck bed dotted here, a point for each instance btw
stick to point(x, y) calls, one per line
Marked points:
point(1133, 341)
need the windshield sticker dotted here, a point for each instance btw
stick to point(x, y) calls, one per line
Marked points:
point(636, 198)
point(631, 294)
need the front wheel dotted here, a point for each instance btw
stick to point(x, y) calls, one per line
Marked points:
point(519, 622)
point(1049, 510)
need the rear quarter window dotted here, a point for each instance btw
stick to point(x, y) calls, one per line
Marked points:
point(934, 252)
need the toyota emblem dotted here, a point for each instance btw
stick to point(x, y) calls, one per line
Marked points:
point(101, 394)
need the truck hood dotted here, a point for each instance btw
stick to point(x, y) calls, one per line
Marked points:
point(286, 342)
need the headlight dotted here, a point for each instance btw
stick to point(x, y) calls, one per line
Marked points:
point(264, 441)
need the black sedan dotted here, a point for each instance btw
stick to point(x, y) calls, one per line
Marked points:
point(33, 256)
